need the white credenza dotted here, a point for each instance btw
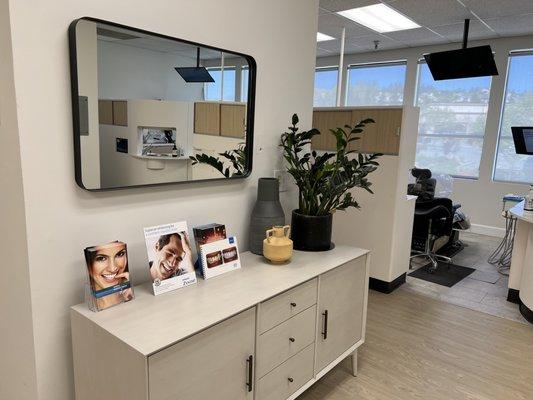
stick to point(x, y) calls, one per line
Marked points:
point(263, 332)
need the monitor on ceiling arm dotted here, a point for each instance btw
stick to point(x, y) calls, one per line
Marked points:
point(523, 139)
point(462, 63)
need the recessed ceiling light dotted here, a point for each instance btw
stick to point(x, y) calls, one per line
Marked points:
point(321, 37)
point(380, 18)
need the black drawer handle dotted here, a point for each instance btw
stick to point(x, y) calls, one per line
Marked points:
point(293, 304)
point(292, 339)
point(325, 332)
point(250, 362)
point(290, 380)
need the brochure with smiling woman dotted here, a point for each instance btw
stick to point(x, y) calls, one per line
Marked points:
point(169, 257)
point(108, 276)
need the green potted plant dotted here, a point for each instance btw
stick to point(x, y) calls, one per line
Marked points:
point(324, 181)
point(236, 157)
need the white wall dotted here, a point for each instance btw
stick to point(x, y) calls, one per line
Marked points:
point(481, 198)
point(127, 72)
point(17, 368)
point(120, 169)
point(61, 219)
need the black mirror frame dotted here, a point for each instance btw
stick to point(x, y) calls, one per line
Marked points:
point(252, 68)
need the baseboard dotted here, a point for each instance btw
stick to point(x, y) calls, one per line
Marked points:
point(513, 296)
point(487, 230)
point(386, 287)
point(526, 312)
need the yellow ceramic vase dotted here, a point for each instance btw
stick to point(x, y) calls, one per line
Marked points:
point(277, 247)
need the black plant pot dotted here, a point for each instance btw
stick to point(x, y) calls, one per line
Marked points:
point(311, 233)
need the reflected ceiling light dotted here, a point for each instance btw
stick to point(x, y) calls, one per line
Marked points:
point(380, 18)
point(321, 37)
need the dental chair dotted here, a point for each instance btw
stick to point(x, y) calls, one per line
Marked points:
point(435, 222)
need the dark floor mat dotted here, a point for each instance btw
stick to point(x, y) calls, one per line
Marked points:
point(451, 250)
point(445, 274)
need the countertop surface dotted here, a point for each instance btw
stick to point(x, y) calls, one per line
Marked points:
point(518, 212)
point(150, 323)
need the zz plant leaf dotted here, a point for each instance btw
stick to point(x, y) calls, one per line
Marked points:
point(324, 179)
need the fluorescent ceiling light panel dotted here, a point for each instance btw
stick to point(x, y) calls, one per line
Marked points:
point(321, 37)
point(380, 18)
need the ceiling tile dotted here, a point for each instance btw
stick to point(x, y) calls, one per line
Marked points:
point(332, 24)
point(432, 12)
point(367, 43)
point(454, 32)
point(340, 5)
point(512, 26)
point(323, 52)
point(331, 45)
point(417, 37)
point(499, 8)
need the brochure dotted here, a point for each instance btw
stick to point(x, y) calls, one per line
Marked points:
point(169, 257)
point(219, 257)
point(108, 275)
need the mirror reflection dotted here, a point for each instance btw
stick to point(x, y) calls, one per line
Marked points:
point(153, 110)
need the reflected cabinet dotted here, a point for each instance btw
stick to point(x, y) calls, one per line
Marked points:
point(179, 107)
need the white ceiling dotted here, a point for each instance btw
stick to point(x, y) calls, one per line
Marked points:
point(158, 44)
point(441, 22)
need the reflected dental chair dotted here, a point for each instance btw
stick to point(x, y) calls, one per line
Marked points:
point(433, 225)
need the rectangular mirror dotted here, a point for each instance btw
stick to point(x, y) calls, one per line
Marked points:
point(150, 109)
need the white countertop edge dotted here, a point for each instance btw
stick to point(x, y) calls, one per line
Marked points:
point(206, 311)
point(519, 212)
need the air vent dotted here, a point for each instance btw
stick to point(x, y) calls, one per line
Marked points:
point(114, 34)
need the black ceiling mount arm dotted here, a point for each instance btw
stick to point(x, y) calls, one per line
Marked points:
point(465, 33)
point(197, 57)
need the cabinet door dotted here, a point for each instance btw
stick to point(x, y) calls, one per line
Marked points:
point(341, 302)
point(324, 120)
point(213, 364)
point(120, 112)
point(207, 118)
point(105, 112)
point(232, 120)
point(384, 135)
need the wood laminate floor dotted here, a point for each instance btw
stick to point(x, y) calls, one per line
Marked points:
point(421, 348)
point(485, 290)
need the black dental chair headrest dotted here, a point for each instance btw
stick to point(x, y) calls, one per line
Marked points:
point(421, 173)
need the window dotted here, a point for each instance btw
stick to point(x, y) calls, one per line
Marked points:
point(213, 89)
point(517, 111)
point(326, 87)
point(245, 74)
point(452, 123)
point(376, 84)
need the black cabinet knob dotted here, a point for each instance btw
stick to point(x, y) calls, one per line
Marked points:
point(293, 304)
point(292, 339)
point(290, 380)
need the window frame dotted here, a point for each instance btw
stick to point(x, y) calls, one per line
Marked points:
point(327, 69)
point(219, 68)
point(513, 53)
point(420, 63)
point(373, 65)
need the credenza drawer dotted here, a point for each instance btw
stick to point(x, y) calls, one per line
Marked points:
point(285, 340)
point(284, 306)
point(286, 379)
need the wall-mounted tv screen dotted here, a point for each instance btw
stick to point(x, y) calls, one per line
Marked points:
point(523, 139)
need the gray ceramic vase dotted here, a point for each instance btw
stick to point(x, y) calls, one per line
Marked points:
point(267, 213)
